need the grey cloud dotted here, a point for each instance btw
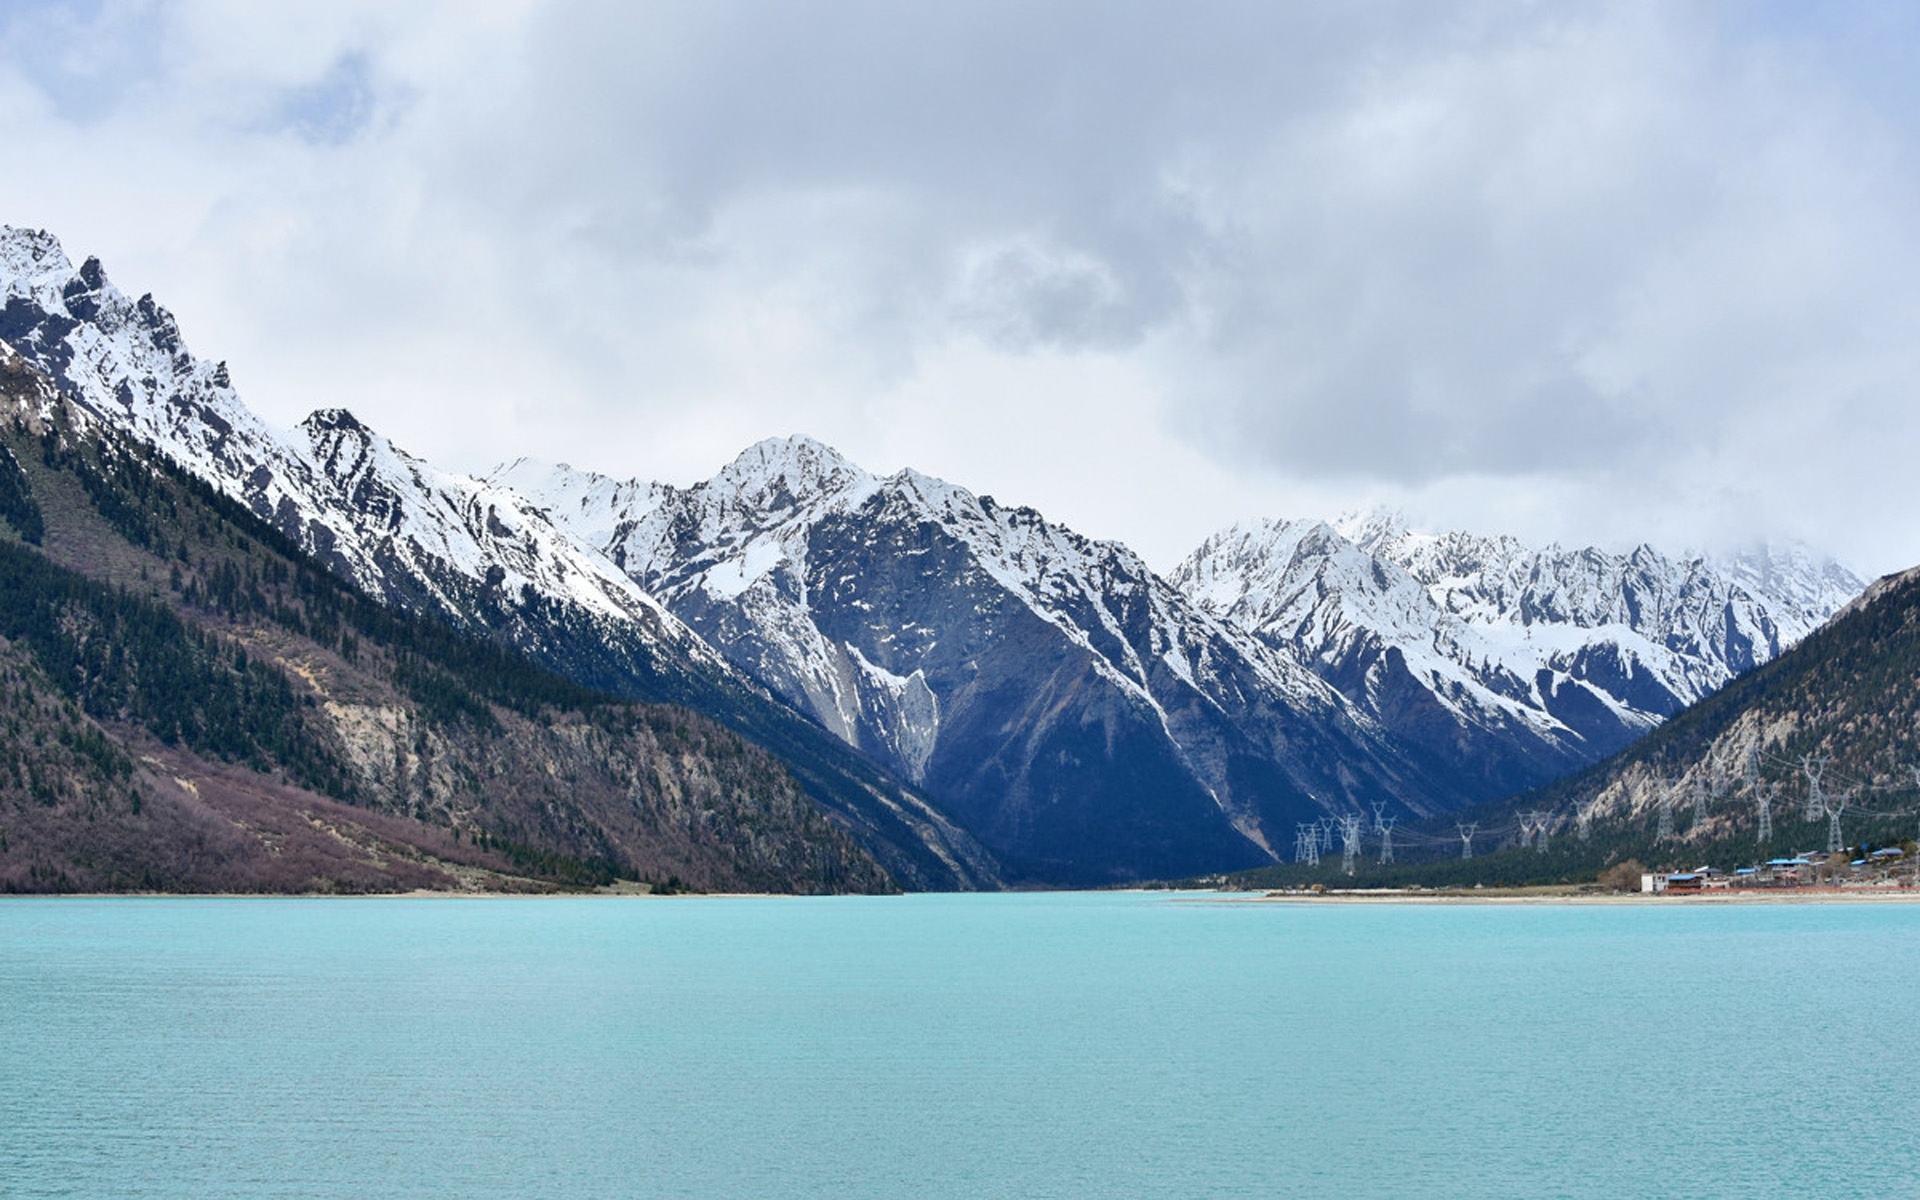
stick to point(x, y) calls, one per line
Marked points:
point(1598, 252)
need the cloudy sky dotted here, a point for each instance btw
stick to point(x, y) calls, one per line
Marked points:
point(1595, 272)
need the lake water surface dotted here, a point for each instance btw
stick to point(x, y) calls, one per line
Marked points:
point(1098, 1045)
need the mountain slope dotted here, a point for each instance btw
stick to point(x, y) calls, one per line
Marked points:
point(1072, 709)
point(1848, 694)
point(194, 704)
point(1518, 664)
point(436, 543)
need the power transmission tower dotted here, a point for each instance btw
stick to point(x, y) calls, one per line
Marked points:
point(1306, 840)
point(1326, 832)
point(1702, 788)
point(1350, 827)
point(1526, 829)
point(1466, 839)
point(1540, 820)
point(1836, 806)
point(1813, 767)
point(1385, 826)
point(1665, 831)
point(1763, 803)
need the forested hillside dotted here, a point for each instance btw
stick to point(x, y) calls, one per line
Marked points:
point(192, 704)
point(1844, 703)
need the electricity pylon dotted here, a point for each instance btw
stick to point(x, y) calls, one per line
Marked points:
point(1835, 806)
point(1350, 827)
point(1466, 839)
point(1306, 843)
point(1813, 767)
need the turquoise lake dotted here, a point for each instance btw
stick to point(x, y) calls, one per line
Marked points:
point(1093, 1045)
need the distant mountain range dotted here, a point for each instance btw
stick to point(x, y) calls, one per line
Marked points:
point(974, 693)
point(1843, 703)
point(1516, 663)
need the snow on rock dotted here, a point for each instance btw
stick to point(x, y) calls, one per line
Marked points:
point(396, 527)
point(931, 626)
point(1539, 653)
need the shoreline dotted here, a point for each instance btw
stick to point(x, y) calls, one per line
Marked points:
point(426, 894)
point(1511, 897)
point(1550, 896)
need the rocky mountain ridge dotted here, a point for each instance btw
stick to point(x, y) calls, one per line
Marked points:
point(1048, 688)
point(439, 543)
point(194, 704)
point(1530, 661)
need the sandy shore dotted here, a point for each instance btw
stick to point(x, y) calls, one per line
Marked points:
point(1905, 895)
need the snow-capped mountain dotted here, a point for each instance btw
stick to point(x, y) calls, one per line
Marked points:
point(1078, 713)
point(969, 670)
point(1518, 662)
point(395, 526)
point(448, 545)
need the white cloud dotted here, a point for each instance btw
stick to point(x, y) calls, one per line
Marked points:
point(1610, 272)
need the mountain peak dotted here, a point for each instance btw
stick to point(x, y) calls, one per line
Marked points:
point(31, 246)
point(32, 253)
point(777, 472)
point(793, 448)
point(334, 420)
